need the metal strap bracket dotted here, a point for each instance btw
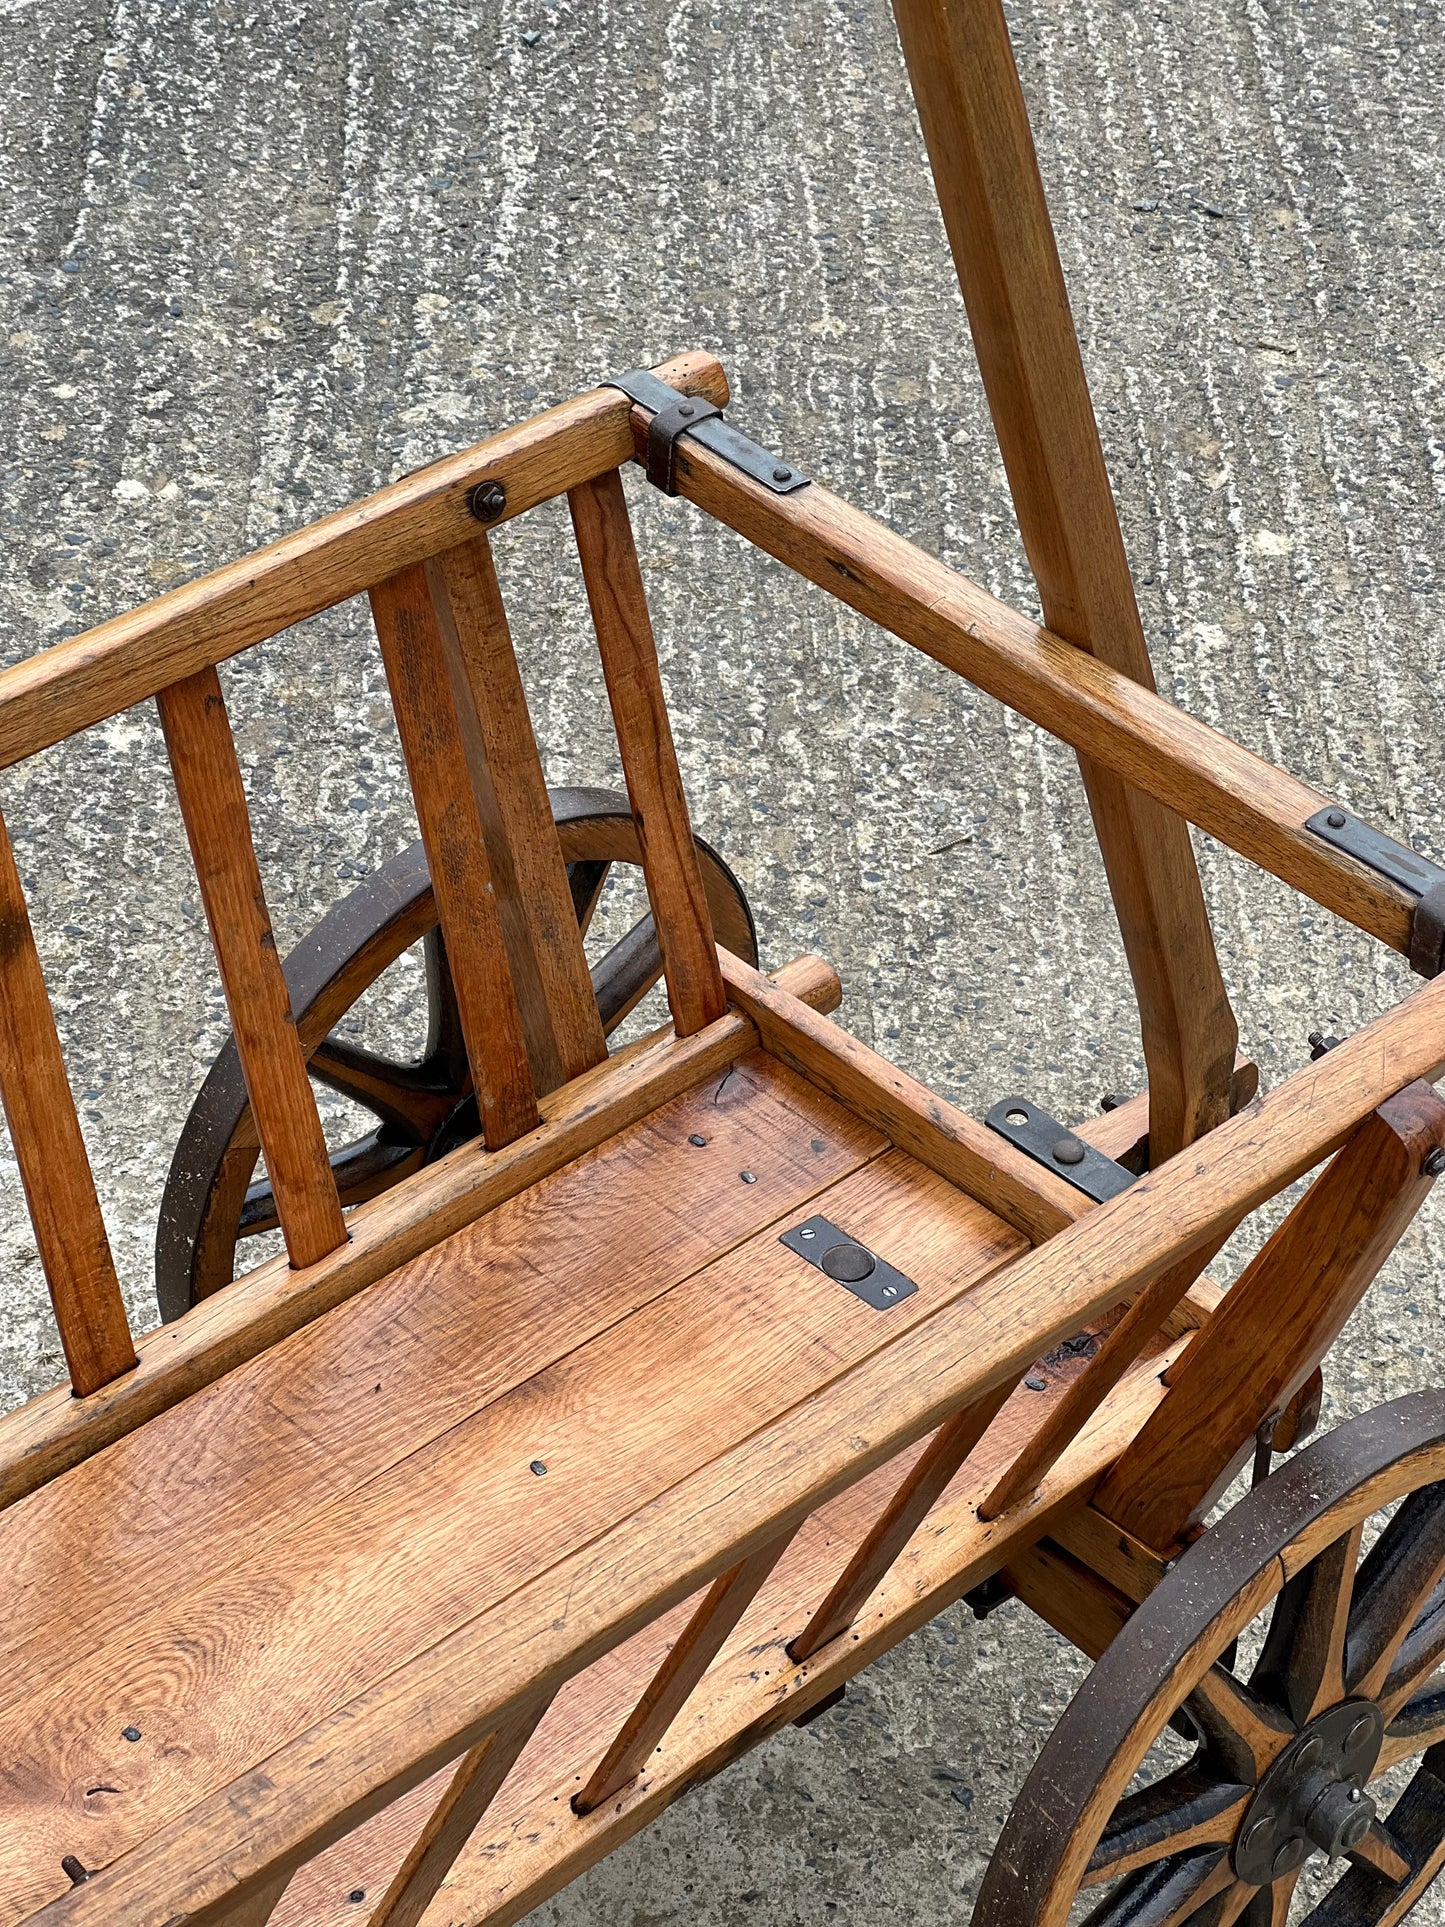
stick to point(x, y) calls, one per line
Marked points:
point(675, 415)
point(1048, 1142)
point(1401, 865)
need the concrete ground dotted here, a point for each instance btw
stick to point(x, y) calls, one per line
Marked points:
point(259, 261)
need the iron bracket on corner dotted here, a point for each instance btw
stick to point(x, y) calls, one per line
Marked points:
point(675, 415)
point(1400, 865)
point(1048, 1142)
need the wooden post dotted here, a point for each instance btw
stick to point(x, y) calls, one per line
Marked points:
point(1277, 1322)
point(986, 172)
point(54, 1169)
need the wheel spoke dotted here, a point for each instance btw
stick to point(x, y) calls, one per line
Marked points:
point(1302, 1666)
point(445, 1055)
point(1395, 1581)
point(1188, 1808)
point(1167, 1893)
point(1270, 1905)
point(622, 978)
point(370, 1165)
point(1419, 1725)
point(1243, 1731)
point(1420, 1655)
point(1378, 1850)
point(409, 1097)
point(585, 880)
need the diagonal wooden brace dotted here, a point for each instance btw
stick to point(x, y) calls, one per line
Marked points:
point(1276, 1324)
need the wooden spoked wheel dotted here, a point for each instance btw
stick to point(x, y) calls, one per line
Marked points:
point(423, 1108)
point(1286, 1775)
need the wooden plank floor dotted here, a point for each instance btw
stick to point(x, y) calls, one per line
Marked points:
point(248, 1562)
point(530, 1843)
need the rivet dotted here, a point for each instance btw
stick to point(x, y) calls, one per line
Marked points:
point(1289, 1856)
point(748, 1177)
point(1068, 1150)
point(356, 1896)
point(685, 409)
point(131, 1733)
point(1363, 1730)
point(1335, 819)
point(697, 1138)
point(487, 501)
point(782, 474)
point(1309, 1753)
point(538, 1467)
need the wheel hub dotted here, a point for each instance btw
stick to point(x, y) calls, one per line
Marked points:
point(1313, 1798)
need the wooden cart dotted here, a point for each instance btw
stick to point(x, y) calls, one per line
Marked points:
point(609, 1409)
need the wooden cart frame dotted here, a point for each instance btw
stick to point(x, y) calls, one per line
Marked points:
point(1050, 1407)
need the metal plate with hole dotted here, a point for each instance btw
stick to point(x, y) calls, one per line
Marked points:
point(1048, 1142)
point(848, 1263)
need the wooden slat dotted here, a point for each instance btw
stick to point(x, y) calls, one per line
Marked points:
point(451, 829)
point(213, 806)
point(50, 1151)
point(1121, 1345)
point(473, 1787)
point(54, 1431)
point(896, 1524)
point(539, 924)
point(256, 1909)
point(1278, 1321)
point(532, 1844)
point(976, 128)
point(377, 1576)
point(1247, 803)
point(949, 1141)
point(649, 761)
point(137, 654)
point(667, 1692)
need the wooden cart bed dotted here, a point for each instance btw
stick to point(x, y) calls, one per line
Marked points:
point(238, 1569)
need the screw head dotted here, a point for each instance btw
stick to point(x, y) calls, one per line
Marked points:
point(748, 1177)
point(487, 501)
point(131, 1733)
point(538, 1468)
point(1036, 1384)
point(1068, 1150)
point(696, 1137)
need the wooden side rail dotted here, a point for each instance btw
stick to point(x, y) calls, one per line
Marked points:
point(456, 849)
point(649, 761)
point(213, 806)
point(1247, 803)
point(50, 1151)
point(316, 1787)
point(136, 655)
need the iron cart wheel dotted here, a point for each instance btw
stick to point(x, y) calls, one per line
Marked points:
point(1286, 1775)
point(424, 1108)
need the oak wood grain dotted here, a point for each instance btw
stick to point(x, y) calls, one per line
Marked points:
point(54, 1431)
point(456, 850)
point(137, 654)
point(218, 825)
point(539, 924)
point(215, 1479)
point(618, 602)
point(1278, 1321)
point(346, 1592)
point(50, 1151)
point(1227, 790)
point(976, 128)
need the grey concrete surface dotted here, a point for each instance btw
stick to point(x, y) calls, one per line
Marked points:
point(259, 260)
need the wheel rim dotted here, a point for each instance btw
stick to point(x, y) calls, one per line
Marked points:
point(423, 1109)
point(1352, 1643)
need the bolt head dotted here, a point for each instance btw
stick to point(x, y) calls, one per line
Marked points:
point(487, 501)
point(1434, 1165)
